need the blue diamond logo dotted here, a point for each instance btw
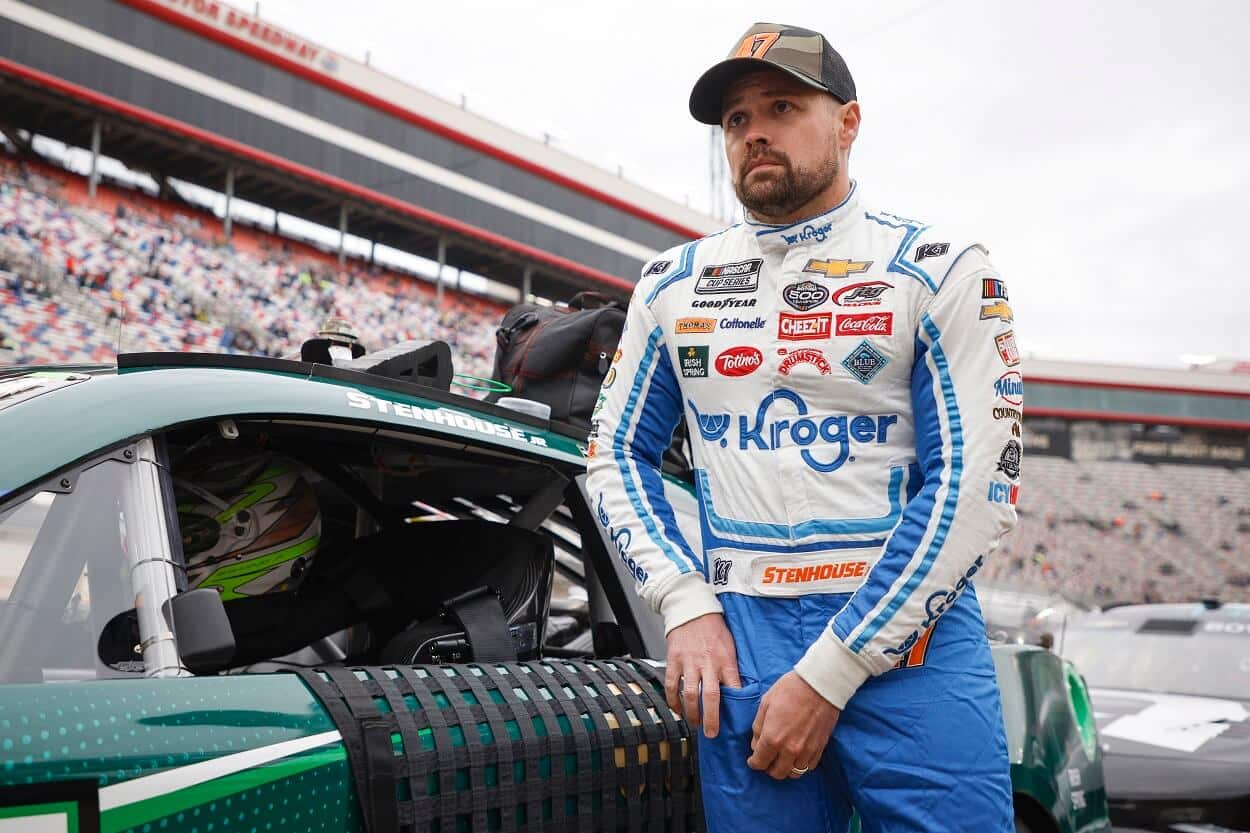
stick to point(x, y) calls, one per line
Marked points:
point(865, 362)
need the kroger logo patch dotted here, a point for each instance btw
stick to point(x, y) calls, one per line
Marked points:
point(827, 441)
point(809, 232)
point(729, 277)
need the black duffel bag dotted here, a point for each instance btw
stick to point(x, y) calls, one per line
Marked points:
point(559, 356)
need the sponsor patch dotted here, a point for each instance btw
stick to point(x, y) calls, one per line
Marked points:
point(993, 288)
point(865, 362)
point(865, 324)
point(1007, 348)
point(693, 361)
point(622, 538)
point(616, 357)
point(686, 326)
point(807, 355)
point(866, 294)
point(809, 232)
point(739, 361)
point(816, 325)
point(720, 571)
point(775, 577)
point(935, 605)
point(1009, 460)
point(805, 295)
point(610, 379)
point(837, 268)
point(1008, 413)
point(1003, 493)
point(659, 267)
point(797, 427)
point(743, 323)
point(931, 250)
point(743, 276)
point(722, 303)
point(1010, 388)
point(999, 309)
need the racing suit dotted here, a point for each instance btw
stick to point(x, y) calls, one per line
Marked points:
point(854, 396)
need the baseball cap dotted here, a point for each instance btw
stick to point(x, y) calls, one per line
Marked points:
point(802, 53)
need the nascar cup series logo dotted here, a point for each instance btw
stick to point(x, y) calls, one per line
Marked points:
point(772, 430)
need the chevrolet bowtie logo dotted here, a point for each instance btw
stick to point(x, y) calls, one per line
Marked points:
point(1000, 310)
point(837, 268)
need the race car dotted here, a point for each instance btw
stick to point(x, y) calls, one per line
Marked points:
point(1171, 691)
point(333, 594)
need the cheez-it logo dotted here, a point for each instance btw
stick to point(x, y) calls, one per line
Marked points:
point(754, 46)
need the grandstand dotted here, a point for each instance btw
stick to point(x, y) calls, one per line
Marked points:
point(1135, 484)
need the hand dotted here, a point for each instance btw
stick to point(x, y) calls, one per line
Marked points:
point(701, 656)
point(791, 728)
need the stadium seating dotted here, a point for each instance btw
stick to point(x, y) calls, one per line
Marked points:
point(146, 274)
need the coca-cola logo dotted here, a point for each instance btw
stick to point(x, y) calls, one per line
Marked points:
point(866, 324)
point(739, 361)
point(866, 294)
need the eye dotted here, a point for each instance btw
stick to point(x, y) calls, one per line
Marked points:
point(735, 120)
point(783, 106)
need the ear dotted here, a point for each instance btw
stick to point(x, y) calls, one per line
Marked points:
point(847, 124)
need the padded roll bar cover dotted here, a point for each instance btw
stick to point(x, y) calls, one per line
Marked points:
point(557, 745)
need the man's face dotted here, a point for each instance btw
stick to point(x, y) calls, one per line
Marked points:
point(782, 141)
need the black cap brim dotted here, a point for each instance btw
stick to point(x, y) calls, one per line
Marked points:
point(708, 94)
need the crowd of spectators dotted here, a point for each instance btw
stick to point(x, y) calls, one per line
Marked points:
point(163, 276)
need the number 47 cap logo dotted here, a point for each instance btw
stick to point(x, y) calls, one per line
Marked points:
point(755, 45)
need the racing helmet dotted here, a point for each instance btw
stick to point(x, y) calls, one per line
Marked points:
point(250, 523)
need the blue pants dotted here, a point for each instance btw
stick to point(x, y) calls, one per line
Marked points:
point(919, 749)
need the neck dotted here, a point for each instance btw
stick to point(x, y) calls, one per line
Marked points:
point(819, 204)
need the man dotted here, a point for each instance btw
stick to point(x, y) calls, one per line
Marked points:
point(853, 379)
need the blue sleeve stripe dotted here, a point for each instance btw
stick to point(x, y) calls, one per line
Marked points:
point(685, 262)
point(897, 263)
point(952, 493)
point(646, 368)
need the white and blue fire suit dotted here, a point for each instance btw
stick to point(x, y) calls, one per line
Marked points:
point(853, 390)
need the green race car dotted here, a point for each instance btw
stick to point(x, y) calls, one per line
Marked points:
point(260, 594)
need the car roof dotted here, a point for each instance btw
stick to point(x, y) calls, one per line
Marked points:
point(55, 415)
point(1200, 610)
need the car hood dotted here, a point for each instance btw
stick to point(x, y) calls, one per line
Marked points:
point(1164, 745)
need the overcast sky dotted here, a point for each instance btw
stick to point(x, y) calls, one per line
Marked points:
point(1101, 150)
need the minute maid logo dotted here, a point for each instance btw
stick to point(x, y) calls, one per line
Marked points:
point(809, 232)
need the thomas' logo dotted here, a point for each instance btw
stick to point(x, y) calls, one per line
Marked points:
point(739, 361)
point(1010, 388)
point(836, 268)
point(866, 294)
point(793, 327)
point(835, 432)
point(805, 295)
point(685, 326)
point(809, 232)
point(729, 277)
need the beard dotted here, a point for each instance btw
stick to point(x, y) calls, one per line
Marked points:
point(781, 193)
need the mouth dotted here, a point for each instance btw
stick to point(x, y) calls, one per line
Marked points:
point(762, 163)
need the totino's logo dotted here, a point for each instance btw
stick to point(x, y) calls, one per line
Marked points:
point(804, 327)
point(1010, 388)
point(833, 433)
point(739, 361)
